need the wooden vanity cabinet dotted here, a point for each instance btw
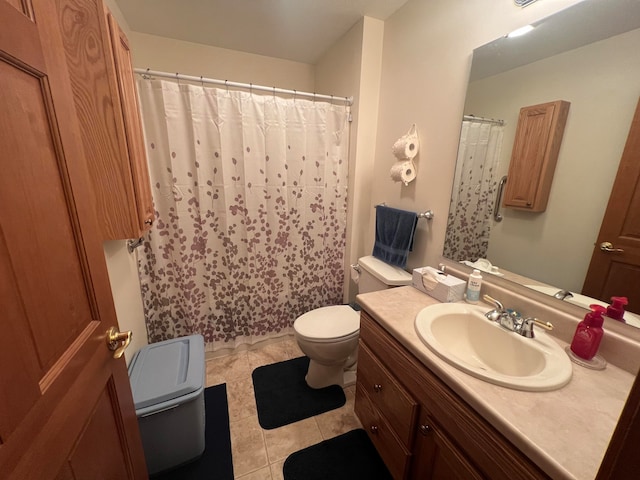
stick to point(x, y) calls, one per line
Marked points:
point(420, 427)
point(97, 57)
point(535, 154)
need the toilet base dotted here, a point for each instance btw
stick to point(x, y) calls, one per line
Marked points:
point(320, 376)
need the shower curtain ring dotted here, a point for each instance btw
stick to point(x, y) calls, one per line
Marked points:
point(226, 85)
point(251, 89)
point(178, 78)
point(294, 95)
point(201, 81)
point(274, 92)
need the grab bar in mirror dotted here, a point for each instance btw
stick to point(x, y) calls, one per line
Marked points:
point(497, 216)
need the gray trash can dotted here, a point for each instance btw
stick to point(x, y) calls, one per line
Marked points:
point(167, 380)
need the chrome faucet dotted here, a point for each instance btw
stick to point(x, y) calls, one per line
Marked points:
point(512, 320)
point(562, 294)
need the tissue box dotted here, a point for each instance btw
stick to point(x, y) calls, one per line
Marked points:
point(447, 288)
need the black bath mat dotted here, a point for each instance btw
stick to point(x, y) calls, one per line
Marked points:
point(348, 456)
point(216, 461)
point(283, 396)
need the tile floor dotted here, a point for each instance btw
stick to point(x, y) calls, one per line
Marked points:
point(259, 454)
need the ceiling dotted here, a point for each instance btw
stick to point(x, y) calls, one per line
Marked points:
point(298, 30)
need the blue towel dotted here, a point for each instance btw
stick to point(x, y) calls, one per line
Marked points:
point(394, 235)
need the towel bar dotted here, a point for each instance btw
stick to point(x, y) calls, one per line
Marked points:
point(428, 214)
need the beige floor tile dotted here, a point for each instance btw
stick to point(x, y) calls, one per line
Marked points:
point(276, 470)
point(273, 353)
point(241, 399)
point(262, 474)
point(260, 454)
point(283, 441)
point(225, 369)
point(340, 420)
point(292, 347)
point(247, 446)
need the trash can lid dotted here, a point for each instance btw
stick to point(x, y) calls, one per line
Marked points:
point(166, 370)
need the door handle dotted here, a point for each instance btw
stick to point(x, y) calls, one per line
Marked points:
point(118, 341)
point(608, 247)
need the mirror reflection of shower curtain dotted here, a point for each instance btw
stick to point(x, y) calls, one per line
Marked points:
point(473, 193)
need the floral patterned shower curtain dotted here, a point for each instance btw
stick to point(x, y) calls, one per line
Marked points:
point(250, 193)
point(474, 191)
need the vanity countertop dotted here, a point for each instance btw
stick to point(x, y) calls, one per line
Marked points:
point(565, 432)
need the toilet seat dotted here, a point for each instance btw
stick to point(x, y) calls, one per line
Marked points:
point(328, 324)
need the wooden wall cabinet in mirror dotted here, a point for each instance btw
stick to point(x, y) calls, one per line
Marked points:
point(105, 99)
point(535, 153)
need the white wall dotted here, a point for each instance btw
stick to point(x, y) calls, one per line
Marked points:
point(426, 61)
point(352, 67)
point(169, 55)
point(601, 82)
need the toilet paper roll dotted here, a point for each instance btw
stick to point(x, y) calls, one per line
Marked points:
point(405, 148)
point(403, 172)
point(355, 273)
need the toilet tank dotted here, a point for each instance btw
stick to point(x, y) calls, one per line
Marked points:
point(378, 275)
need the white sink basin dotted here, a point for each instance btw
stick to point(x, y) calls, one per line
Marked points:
point(461, 335)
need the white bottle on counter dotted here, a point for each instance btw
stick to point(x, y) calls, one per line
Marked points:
point(473, 287)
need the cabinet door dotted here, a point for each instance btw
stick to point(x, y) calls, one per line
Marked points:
point(534, 156)
point(390, 397)
point(132, 126)
point(110, 129)
point(436, 457)
point(392, 451)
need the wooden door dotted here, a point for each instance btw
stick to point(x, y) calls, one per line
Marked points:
point(66, 409)
point(617, 272)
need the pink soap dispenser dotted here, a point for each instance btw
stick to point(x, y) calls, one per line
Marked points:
point(616, 309)
point(589, 333)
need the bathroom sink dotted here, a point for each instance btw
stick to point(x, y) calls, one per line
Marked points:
point(461, 335)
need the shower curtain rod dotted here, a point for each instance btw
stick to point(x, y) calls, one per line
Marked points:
point(249, 86)
point(473, 118)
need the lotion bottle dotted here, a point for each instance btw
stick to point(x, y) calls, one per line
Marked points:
point(473, 286)
point(589, 333)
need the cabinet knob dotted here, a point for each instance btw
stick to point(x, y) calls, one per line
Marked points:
point(148, 221)
point(425, 429)
point(374, 429)
point(377, 387)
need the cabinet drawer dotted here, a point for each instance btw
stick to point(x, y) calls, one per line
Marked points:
point(394, 454)
point(389, 396)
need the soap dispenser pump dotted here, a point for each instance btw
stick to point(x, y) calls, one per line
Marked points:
point(589, 333)
point(616, 309)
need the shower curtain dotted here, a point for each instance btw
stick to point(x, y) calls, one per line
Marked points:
point(474, 190)
point(250, 198)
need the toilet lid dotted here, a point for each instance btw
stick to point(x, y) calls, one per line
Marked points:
point(328, 322)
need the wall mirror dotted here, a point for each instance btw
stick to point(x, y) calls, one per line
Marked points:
point(585, 55)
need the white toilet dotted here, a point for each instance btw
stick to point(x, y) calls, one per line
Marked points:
point(329, 335)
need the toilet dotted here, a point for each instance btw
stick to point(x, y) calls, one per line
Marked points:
point(329, 335)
